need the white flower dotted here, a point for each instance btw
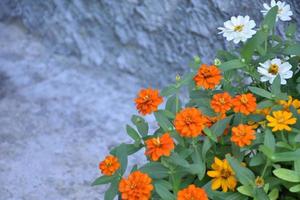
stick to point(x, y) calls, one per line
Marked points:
point(238, 29)
point(284, 10)
point(271, 68)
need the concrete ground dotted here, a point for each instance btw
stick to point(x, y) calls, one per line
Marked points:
point(58, 119)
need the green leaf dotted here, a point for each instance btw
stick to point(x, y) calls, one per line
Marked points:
point(287, 156)
point(269, 140)
point(243, 174)
point(291, 30)
point(163, 191)
point(246, 190)
point(232, 64)
point(206, 146)
point(219, 127)
point(121, 153)
point(173, 104)
point(260, 194)
point(270, 18)
point(155, 170)
point(287, 175)
point(163, 121)
point(199, 163)
point(133, 134)
point(103, 180)
point(170, 90)
point(265, 104)
point(293, 50)
point(141, 124)
point(267, 152)
point(252, 44)
point(297, 166)
point(274, 194)
point(257, 160)
point(112, 191)
point(275, 88)
point(178, 160)
point(261, 92)
point(295, 188)
point(210, 134)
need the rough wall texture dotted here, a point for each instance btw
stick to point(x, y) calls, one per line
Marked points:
point(69, 71)
point(152, 39)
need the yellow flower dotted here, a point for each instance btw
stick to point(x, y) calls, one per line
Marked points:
point(223, 175)
point(290, 102)
point(281, 120)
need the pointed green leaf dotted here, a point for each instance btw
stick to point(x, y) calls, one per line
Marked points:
point(103, 180)
point(243, 174)
point(287, 175)
point(261, 92)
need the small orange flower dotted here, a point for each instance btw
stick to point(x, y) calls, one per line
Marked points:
point(159, 146)
point(244, 103)
point(189, 122)
point(242, 135)
point(221, 102)
point(208, 77)
point(148, 101)
point(137, 186)
point(192, 192)
point(109, 165)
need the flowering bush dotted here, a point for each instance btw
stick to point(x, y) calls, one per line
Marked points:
point(238, 135)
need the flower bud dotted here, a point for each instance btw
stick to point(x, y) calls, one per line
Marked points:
point(217, 62)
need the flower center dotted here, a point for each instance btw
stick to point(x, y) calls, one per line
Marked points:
point(108, 164)
point(132, 186)
point(188, 120)
point(281, 120)
point(156, 141)
point(225, 173)
point(279, 11)
point(238, 28)
point(244, 99)
point(222, 100)
point(273, 69)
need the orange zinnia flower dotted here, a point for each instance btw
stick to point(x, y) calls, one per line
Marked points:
point(221, 102)
point(148, 101)
point(192, 192)
point(244, 103)
point(109, 165)
point(208, 77)
point(136, 187)
point(189, 122)
point(242, 135)
point(159, 146)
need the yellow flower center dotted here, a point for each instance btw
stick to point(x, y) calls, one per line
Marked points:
point(188, 120)
point(279, 11)
point(222, 100)
point(132, 186)
point(273, 69)
point(156, 141)
point(244, 99)
point(281, 119)
point(238, 28)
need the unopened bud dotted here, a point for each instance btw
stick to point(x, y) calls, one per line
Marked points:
point(217, 62)
point(177, 77)
point(259, 182)
point(197, 59)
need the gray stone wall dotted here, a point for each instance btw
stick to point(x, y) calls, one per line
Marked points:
point(150, 39)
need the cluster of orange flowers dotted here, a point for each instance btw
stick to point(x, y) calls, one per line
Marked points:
point(190, 122)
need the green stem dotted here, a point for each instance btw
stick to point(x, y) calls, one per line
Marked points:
point(283, 137)
point(265, 168)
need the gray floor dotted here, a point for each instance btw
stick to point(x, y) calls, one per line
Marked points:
point(57, 120)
